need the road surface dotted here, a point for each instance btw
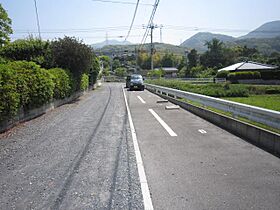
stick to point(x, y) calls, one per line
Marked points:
point(82, 156)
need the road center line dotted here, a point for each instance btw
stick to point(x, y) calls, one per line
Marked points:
point(148, 205)
point(164, 125)
point(141, 99)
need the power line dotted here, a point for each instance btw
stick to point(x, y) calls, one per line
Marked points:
point(149, 23)
point(123, 2)
point(132, 22)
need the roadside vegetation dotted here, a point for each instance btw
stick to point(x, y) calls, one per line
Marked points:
point(266, 96)
point(34, 72)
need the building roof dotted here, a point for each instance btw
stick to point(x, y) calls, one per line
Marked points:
point(168, 69)
point(248, 65)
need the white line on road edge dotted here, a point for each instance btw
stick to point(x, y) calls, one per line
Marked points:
point(202, 131)
point(141, 99)
point(166, 127)
point(148, 205)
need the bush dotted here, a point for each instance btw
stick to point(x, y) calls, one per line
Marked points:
point(244, 75)
point(214, 90)
point(222, 74)
point(34, 84)
point(62, 83)
point(9, 97)
point(121, 72)
point(156, 73)
point(270, 75)
point(84, 82)
point(30, 49)
point(70, 53)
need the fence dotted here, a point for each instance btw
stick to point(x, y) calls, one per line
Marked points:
point(267, 117)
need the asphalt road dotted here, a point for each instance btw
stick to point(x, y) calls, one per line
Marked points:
point(202, 166)
point(82, 156)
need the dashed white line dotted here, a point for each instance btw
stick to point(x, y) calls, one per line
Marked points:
point(164, 125)
point(148, 205)
point(202, 131)
point(141, 99)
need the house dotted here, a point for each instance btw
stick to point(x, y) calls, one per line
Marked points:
point(169, 71)
point(249, 66)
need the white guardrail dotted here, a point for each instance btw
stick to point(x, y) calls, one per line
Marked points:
point(260, 115)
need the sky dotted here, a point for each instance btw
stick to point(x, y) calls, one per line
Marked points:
point(92, 21)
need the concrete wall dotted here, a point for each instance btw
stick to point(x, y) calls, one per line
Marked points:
point(30, 114)
point(262, 138)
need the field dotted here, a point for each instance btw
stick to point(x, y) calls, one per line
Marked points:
point(265, 101)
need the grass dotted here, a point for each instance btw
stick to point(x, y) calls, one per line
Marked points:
point(265, 101)
point(242, 119)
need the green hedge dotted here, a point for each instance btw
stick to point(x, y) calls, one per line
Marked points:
point(62, 82)
point(222, 74)
point(9, 97)
point(35, 85)
point(214, 90)
point(270, 75)
point(244, 75)
point(84, 82)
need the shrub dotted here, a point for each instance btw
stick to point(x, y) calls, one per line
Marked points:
point(30, 49)
point(9, 98)
point(270, 75)
point(34, 84)
point(222, 74)
point(84, 82)
point(244, 75)
point(156, 73)
point(70, 53)
point(62, 83)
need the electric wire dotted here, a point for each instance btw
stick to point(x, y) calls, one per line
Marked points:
point(132, 22)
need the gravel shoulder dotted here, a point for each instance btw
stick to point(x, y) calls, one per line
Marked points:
point(78, 156)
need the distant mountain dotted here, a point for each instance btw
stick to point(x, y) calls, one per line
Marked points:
point(109, 42)
point(159, 47)
point(267, 30)
point(198, 40)
point(265, 39)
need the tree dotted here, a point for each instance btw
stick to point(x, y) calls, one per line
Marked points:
point(193, 58)
point(5, 26)
point(30, 49)
point(70, 53)
point(214, 56)
point(121, 72)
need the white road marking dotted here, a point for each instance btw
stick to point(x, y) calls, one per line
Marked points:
point(202, 131)
point(164, 125)
point(141, 99)
point(148, 205)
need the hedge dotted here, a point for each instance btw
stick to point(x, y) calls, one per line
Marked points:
point(9, 97)
point(270, 75)
point(222, 74)
point(244, 75)
point(62, 83)
point(84, 82)
point(34, 84)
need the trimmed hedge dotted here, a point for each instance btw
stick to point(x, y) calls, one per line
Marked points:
point(244, 75)
point(62, 83)
point(222, 74)
point(270, 75)
point(9, 97)
point(35, 85)
point(84, 82)
point(214, 89)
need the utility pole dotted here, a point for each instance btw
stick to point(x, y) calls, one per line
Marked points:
point(152, 46)
point(152, 27)
point(37, 17)
point(160, 27)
